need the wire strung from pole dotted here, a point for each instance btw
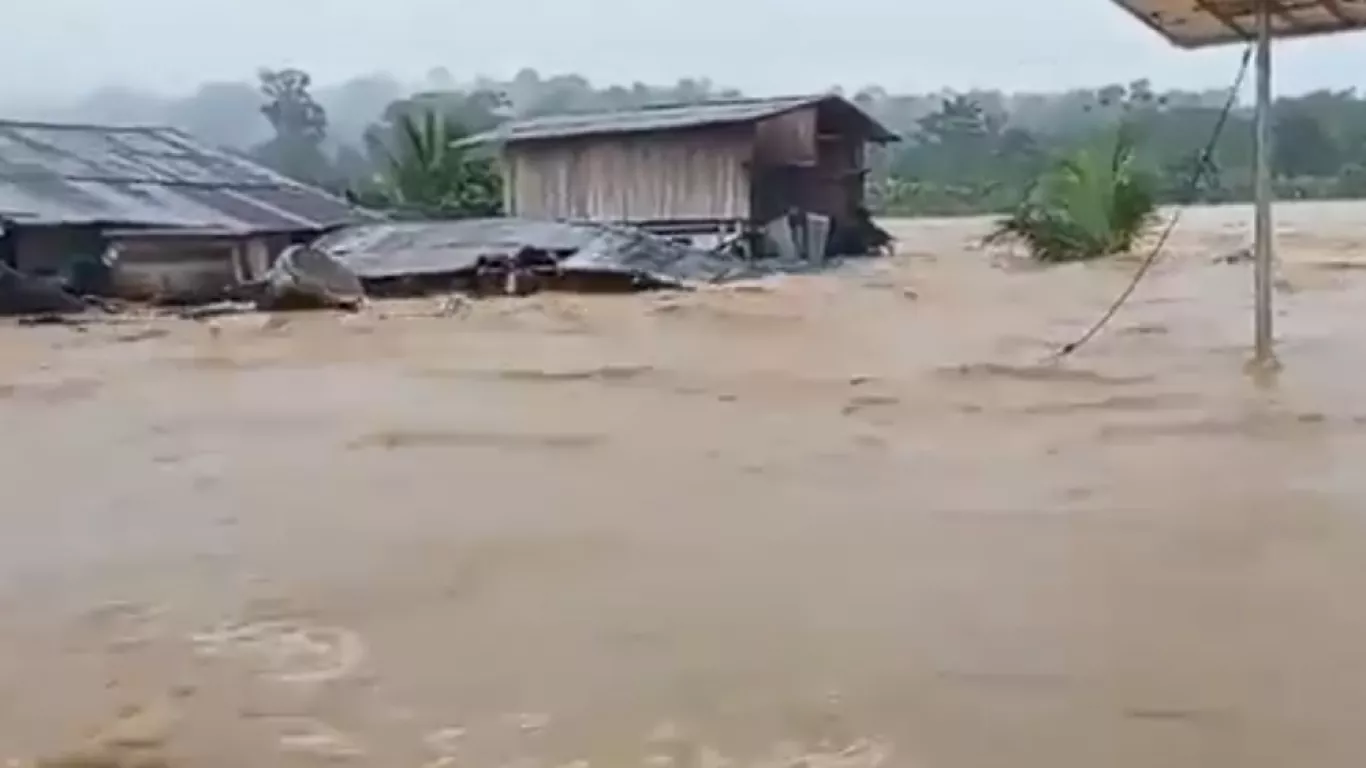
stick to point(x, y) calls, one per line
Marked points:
point(1190, 190)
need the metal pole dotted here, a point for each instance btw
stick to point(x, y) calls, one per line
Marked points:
point(1263, 230)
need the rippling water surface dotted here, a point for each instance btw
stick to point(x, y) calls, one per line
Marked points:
point(848, 519)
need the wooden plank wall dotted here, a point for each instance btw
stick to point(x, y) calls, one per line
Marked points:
point(176, 268)
point(690, 175)
point(837, 182)
point(787, 139)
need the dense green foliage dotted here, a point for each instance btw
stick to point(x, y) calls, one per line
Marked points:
point(964, 152)
point(1094, 202)
point(981, 154)
point(423, 174)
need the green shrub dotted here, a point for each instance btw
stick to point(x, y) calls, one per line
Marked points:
point(1092, 203)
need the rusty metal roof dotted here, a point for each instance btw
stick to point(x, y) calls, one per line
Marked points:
point(53, 174)
point(673, 117)
point(1201, 23)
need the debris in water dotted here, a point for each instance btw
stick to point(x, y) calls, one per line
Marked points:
point(217, 309)
point(22, 294)
point(453, 305)
point(307, 278)
point(509, 256)
point(1240, 256)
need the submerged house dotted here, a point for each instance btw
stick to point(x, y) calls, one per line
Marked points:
point(173, 216)
point(695, 167)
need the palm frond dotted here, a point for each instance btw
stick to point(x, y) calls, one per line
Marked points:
point(1091, 203)
point(425, 175)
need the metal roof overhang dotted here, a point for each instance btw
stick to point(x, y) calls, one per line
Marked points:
point(1204, 23)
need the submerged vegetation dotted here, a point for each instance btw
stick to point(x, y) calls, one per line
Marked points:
point(1093, 202)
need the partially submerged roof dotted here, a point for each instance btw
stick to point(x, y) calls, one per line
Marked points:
point(395, 249)
point(1200, 23)
point(414, 249)
point(54, 174)
point(674, 117)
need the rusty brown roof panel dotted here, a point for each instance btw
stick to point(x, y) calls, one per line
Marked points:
point(1202, 23)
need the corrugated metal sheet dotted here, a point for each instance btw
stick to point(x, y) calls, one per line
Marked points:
point(417, 248)
point(1199, 23)
point(678, 117)
point(390, 250)
point(70, 174)
point(691, 176)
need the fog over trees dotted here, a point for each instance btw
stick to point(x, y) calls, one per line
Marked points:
point(965, 152)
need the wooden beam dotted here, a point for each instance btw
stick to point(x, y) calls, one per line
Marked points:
point(1335, 8)
point(1224, 18)
point(1284, 13)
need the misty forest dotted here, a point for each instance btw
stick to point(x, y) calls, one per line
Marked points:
point(388, 144)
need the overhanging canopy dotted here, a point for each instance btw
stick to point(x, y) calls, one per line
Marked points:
point(1201, 23)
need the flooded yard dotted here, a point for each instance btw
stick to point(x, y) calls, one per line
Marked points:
point(852, 519)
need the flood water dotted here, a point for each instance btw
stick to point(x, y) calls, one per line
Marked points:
point(847, 519)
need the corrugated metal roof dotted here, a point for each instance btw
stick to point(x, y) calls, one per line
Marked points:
point(673, 117)
point(398, 249)
point(403, 249)
point(1200, 23)
point(416, 248)
point(81, 174)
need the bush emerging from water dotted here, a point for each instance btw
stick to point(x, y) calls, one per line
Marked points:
point(1094, 202)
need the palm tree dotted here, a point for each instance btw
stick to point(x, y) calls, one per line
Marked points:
point(425, 172)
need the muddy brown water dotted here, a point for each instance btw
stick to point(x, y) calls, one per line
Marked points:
point(846, 519)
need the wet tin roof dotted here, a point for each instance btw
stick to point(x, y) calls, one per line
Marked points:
point(53, 174)
point(674, 117)
point(397, 249)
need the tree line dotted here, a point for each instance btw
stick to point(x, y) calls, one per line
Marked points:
point(977, 153)
point(388, 143)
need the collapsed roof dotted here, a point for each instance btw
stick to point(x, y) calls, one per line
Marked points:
point(391, 250)
point(407, 249)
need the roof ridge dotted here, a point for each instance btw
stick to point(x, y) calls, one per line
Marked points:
point(55, 125)
point(652, 118)
point(67, 173)
point(728, 101)
point(271, 183)
point(659, 106)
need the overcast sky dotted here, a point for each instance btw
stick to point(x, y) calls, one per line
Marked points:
point(762, 46)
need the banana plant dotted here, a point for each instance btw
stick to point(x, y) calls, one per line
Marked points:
point(1094, 202)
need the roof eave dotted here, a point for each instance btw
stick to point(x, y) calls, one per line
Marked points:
point(1305, 31)
point(1156, 26)
point(876, 135)
point(1238, 32)
point(505, 135)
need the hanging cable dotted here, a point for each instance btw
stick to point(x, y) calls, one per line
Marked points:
point(1190, 190)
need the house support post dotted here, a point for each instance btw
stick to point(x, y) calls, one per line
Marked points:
point(1264, 354)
